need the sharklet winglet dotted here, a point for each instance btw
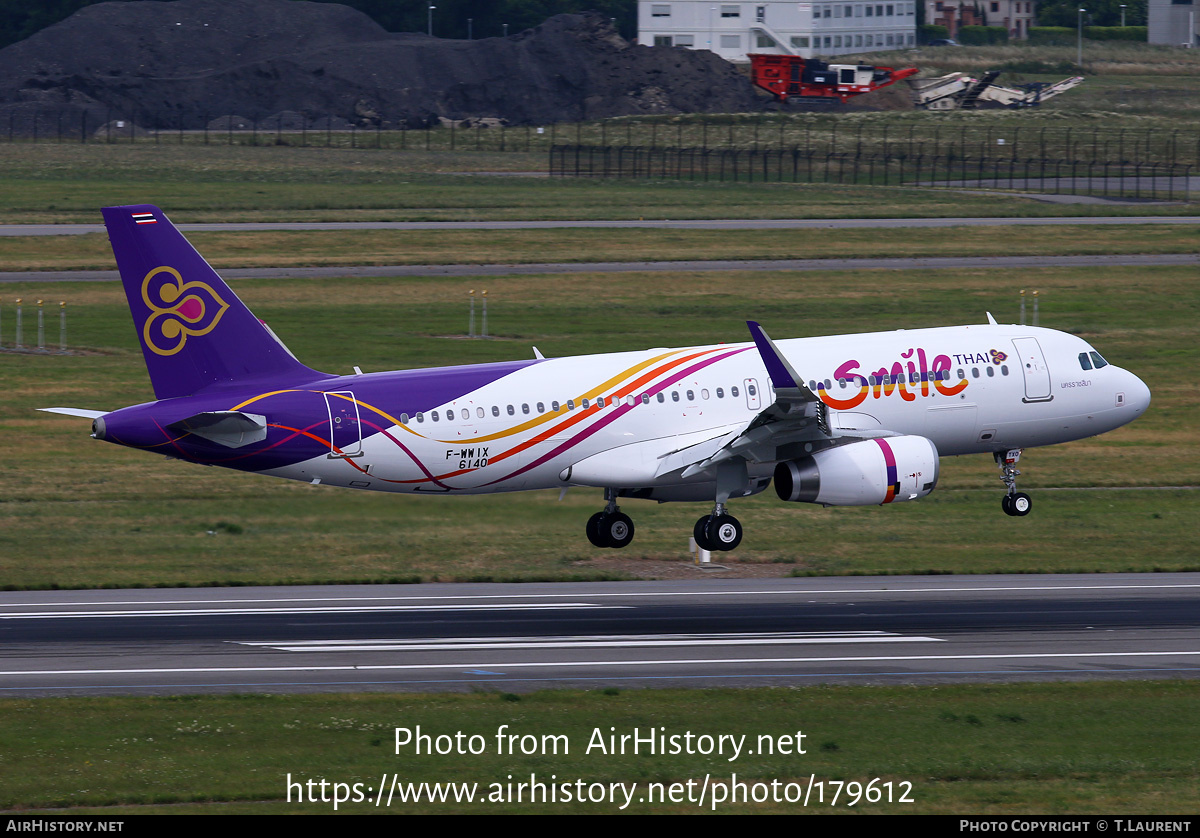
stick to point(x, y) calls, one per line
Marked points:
point(781, 372)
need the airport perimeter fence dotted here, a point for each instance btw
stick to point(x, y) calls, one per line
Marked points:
point(999, 135)
point(1128, 179)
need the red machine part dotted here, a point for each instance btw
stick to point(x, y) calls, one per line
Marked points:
point(790, 76)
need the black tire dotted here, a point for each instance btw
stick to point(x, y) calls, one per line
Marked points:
point(724, 532)
point(618, 529)
point(1021, 504)
point(699, 533)
point(1006, 504)
point(596, 530)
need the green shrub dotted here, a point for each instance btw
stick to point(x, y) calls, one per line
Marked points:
point(1116, 33)
point(927, 32)
point(979, 36)
point(1052, 35)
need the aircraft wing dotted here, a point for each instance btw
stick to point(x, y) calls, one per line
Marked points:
point(797, 416)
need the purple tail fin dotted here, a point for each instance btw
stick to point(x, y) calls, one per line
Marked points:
point(195, 332)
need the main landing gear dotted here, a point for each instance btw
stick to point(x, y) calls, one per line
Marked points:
point(1013, 503)
point(612, 527)
point(719, 531)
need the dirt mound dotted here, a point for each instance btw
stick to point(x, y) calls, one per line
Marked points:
point(188, 62)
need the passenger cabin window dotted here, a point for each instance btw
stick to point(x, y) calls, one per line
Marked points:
point(403, 418)
point(541, 407)
point(733, 391)
point(495, 410)
point(525, 408)
point(674, 395)
point(511, 410)
point(991, 371)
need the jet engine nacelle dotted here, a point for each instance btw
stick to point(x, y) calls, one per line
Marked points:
point(863, 473)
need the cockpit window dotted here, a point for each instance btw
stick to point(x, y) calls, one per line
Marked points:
point(1098, 361)
point(1085, 361)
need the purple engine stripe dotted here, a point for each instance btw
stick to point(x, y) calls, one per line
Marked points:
point(889, 459)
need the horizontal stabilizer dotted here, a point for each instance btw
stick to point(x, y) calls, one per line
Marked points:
point(75, 411)
point(230, 428)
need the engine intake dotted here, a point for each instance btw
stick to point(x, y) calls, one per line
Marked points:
point(874, 471)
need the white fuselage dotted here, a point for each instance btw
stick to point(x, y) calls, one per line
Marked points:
point(635, 420)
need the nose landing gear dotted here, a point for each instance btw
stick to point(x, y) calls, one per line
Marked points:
point(1013, 503)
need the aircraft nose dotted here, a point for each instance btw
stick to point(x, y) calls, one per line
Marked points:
point(1137, 395)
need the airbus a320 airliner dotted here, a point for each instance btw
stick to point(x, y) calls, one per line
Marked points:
point(845, 420)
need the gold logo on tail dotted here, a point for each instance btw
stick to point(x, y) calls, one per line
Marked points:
point(178, 310)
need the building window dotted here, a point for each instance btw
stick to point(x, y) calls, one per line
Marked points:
point(870, 11)
point(660, 10)
point(662, 40)
point(837, 40)
point(890, 11)
point(731, 42)
point(685, 40)
point(995, 7)
point(765, 42)
point(800, 41)
point(731, 11)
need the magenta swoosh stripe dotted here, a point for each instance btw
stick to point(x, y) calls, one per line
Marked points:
point(622, 410)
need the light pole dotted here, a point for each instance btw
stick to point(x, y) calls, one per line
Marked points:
point(431, 8)
point(1079, 59)
point(470, 36)
point(1122, 15)
point(505, 25)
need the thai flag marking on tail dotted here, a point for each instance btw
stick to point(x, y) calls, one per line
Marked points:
point(144, 218)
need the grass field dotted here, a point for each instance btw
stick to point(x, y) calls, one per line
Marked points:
point(424, 247)
point(76, 512)
point(70, 183)
point(1002, 749)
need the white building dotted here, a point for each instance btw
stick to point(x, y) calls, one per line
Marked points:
point(1173, 22)
point(732, 30)
point(1014, 15)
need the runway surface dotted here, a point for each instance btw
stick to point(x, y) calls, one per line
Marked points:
point(681, 224)
point(708, 632)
